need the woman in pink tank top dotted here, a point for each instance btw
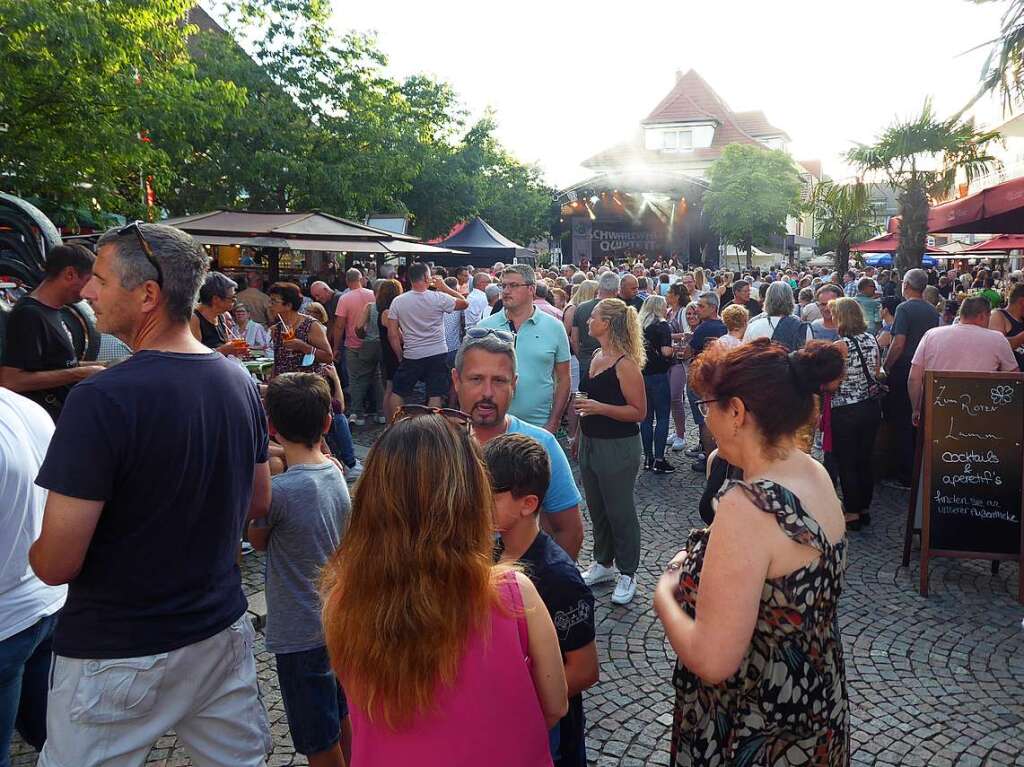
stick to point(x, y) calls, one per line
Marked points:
point(446, 659)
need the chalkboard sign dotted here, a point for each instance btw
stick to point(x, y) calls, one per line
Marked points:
point(972, 457)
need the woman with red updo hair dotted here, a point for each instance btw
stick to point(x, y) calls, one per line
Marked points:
point(750, 605)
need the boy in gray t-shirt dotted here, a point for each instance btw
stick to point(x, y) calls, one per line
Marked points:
point(308, 507)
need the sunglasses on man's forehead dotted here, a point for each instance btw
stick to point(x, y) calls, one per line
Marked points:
point(455, 417)
point(135, 228)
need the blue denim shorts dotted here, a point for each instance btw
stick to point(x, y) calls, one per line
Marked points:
point(313, 699)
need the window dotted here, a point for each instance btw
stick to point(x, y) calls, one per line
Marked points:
point(677, 140)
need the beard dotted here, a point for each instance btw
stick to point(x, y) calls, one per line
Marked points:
point(489, 416)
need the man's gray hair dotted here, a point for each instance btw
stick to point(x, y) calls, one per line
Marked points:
point(778, 301)
point(481, 280)
point(578, 277)
point(492, 292)
point(523, 270)
point(182, 260)
point(916, 279)
point(974, 306)
point(710, 298)
point(807, 295)
point(216, 285)
point(353, 275)
point(609, 283)
point(542, 291)
point(488, 343)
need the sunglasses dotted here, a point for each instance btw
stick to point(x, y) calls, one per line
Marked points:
point(501, 335)
point(455, 417)
point(135, 228)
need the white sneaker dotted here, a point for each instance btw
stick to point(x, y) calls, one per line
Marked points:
point(692, 452)
point(247, 548)
point(598, 573)
point(352, 473)
point(625, 589)
point(380, 419)
point(678, 443)
point(356, 420)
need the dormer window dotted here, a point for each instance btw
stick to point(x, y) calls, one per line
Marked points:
point(677, 140)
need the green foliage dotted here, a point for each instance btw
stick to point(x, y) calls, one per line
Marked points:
point(842, 216)
point(282, 113)
point(1003, 71)
point(752, 192)
point(923, 157)
point(81, 79)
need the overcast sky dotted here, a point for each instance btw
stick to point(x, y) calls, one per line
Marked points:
point(568, 79)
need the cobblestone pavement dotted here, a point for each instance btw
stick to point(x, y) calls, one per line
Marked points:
point(936, 681)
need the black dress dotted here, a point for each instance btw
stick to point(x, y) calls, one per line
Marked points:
point(388, 358)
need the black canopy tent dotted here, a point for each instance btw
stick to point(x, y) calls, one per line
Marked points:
point(485, 246)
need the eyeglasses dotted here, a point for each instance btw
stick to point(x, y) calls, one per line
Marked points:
point(704, 405)
point(501, 335)
point(135, 228)
point(511, 285)
point(455, 417)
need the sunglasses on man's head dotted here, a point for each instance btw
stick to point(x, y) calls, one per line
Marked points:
point(455, 417)
point(501, 335)
point(135, 228)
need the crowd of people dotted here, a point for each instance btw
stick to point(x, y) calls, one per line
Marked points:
point(435, 612)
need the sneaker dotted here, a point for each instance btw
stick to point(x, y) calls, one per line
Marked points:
point(661, 466)
point(598, 573)
point(380, 419)
point(678, 443)
point(247, 548)
point(692, 452)
point(356, 420)
point(625, 590)
point(352, 473)
point(700, 465)
point(648, 463)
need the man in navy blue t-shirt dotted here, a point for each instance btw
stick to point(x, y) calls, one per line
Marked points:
point(152, 471)
point(520, 470)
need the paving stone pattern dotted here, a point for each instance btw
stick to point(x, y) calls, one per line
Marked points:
point(936, 681)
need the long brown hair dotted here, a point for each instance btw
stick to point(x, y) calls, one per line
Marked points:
point(387, 291)
point(413, 576)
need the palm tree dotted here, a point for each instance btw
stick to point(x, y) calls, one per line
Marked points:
point(922, 157)
point(842, 215)
point(1003, 70)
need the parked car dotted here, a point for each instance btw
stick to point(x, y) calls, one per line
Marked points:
point(26, 236)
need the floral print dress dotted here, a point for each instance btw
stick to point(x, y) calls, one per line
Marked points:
point(786, 705)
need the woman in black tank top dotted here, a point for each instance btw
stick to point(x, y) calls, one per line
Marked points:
point(1010, 325)
point(609, 444)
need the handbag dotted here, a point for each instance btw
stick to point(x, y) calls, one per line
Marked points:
point(876, 389)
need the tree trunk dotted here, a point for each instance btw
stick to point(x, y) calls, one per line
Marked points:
point(750, 252)
point(842, 257)
point(913, 227)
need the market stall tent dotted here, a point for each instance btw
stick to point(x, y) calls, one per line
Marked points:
point(484, 244)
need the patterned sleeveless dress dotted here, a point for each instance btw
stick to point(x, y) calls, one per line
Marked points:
point(288, 361)
point(787, 704)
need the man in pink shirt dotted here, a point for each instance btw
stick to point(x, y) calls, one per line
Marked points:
point(363, 357)
point(968, 346)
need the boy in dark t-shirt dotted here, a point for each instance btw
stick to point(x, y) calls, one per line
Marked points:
point(520, 472)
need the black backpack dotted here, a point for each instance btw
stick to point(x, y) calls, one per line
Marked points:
point(790, 332)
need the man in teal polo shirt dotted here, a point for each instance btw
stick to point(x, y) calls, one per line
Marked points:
point(542, 350)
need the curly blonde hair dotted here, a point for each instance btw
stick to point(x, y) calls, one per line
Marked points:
point(624, 332)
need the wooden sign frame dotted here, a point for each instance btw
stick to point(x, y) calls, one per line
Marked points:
point(924, 487)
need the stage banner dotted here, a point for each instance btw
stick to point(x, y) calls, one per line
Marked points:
point(611, 238)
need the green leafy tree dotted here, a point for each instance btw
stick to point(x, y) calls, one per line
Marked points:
point(84, 85)
point(1003, 71)
point(752, 192)
point(923, 157)
point(842, 216)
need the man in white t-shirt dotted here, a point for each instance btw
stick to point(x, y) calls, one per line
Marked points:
point(479, 307)
point(28, 606)
point(416, 333)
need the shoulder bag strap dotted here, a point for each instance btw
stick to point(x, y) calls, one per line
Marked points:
point(863, 364)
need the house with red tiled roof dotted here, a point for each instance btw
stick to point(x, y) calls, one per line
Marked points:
point(688, 130)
